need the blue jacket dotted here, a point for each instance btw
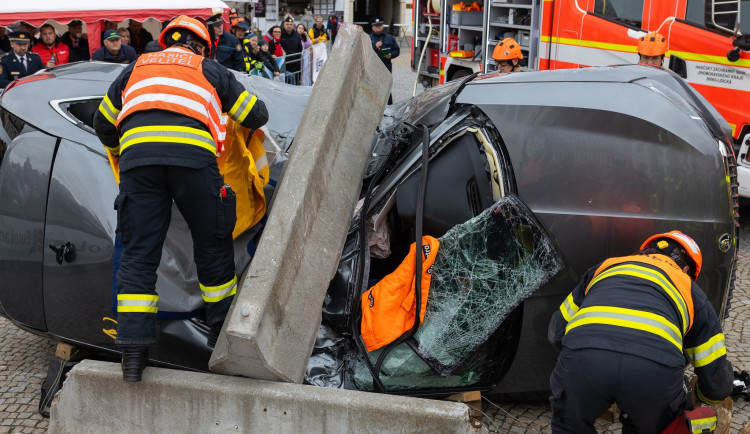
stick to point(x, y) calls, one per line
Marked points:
point(125, 55)
point(11, 69)
point(388, 42)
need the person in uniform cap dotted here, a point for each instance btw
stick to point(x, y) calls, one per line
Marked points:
point(77, 41)
point(19, 62)
point(292, 44)
point(384, 44)
point(114, 51)
point(225, 48)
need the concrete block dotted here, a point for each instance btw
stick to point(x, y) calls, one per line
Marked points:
point(94, 399)
point(271, 328)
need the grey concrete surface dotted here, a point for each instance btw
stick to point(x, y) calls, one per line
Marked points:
point(23, 355)
point(274, 319)
point(181, 402)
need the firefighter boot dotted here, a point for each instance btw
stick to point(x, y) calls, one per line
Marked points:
point(134, 360)
point(213, 334)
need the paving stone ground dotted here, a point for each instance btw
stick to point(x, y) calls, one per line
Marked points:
point(23, 364)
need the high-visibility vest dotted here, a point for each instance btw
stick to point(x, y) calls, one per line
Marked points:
point(677, 287)
point(173, 80)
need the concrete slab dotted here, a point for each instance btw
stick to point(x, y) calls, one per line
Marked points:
point(271, 328)
point(95, 399)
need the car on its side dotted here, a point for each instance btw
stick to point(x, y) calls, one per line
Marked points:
point(600, 157)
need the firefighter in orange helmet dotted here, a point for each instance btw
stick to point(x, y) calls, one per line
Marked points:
point(651, 49)
point(626, 332)
point(162, 120)
point(507, 55)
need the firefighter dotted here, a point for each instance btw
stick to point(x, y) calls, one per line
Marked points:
point(651, 49)
point(626, 332)
point(161, 120)
point(507, 55)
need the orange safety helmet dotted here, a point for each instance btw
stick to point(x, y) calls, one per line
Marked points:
point(652, 44)
point(687, 243)
point(507, 49)
point(187, 23)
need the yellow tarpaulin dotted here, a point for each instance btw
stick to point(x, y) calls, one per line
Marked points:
point(244, 166)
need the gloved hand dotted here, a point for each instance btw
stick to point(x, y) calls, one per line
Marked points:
point(258, 66)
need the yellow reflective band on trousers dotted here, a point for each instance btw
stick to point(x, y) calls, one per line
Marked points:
point(568, 308)
point(706, 353)
point(702, 398)
point(139, 303)
point(168, 134)
point(697, 426)
point(108, 110)
point(242, 107)
point(629, 318)
point(213, 294)
point(652, 276)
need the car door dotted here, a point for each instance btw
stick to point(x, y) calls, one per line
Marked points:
point(27, 155)
point(81, 218)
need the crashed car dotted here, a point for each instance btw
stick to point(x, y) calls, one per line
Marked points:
point(581, 165)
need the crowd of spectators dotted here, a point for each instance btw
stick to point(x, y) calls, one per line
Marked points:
point(275, 54)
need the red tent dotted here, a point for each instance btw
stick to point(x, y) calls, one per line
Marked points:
point(94, 12)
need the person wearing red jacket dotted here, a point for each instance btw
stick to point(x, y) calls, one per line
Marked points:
point(52, 51)
point(274, 41)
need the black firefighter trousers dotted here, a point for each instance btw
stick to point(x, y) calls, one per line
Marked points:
point(586, 381)
point(144, 209)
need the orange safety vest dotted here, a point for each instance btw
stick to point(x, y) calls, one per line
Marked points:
point(173, 80)
point(389, 307)
point(680, 279)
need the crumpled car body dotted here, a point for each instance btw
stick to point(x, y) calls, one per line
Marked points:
point(598, 158)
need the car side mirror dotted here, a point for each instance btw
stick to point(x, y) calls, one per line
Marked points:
point(678, 65)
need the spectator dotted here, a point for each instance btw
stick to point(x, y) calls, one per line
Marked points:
point(152, 47)
point(50, 49)
point(77, 41)
point(385, 45)
point(139, 36)
point(239, 29)
point(306, 41)
point(274, 41)
point(318, 33)
point(114, 51)
point(23, 26)
point(292, 45)
point(333, 25)
point(20, 62)
point(124, 35)
point(264, 55)
point(4, 41)
point(225, 48)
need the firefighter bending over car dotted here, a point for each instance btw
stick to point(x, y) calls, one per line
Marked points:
point(625, 333)
point(162, 121)
point(508, 55)
point(651, 49)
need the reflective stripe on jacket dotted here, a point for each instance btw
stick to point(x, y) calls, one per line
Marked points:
point(675, 284)
point(156, 84)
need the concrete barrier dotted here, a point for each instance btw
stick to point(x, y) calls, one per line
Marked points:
point(271, 328)
point(94, 399)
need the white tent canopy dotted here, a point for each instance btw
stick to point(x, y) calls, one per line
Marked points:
point(94, 12)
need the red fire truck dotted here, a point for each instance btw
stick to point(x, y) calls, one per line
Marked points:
point(708, 43)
